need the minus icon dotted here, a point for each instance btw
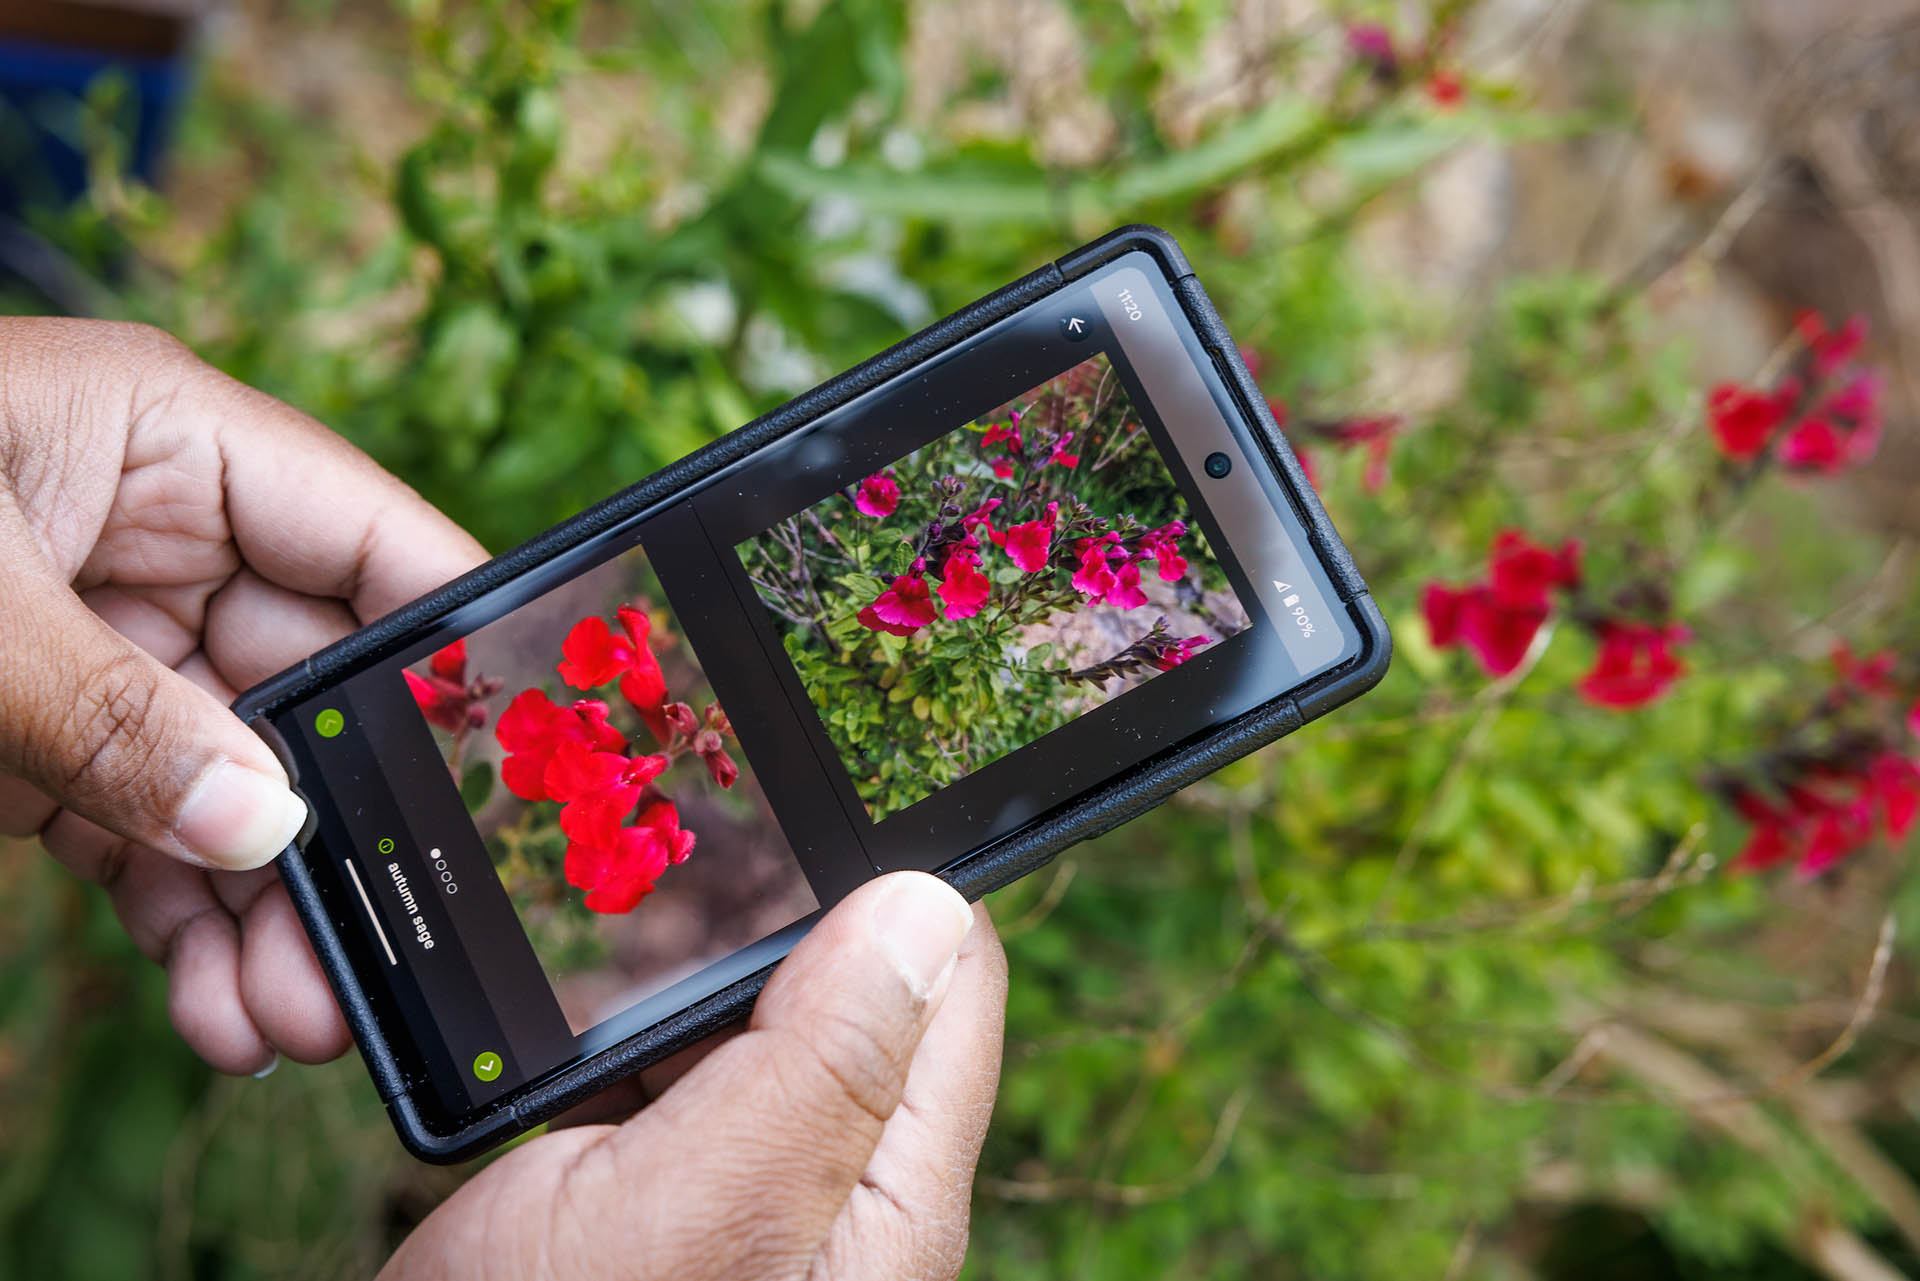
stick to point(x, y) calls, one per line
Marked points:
point(1291, 601)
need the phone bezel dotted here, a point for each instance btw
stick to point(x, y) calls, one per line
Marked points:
point(434, 1135)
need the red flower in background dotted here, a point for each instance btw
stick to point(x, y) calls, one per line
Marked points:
point(1744, 421)
point(900, 610)
point(1446, 89)
point(1060, 454)
point(1000, 433)
point(1497, 633)
point(534, 727)
point(878, 495)
point(1830, 815)
point(1180, 651)
point(963, 588)
point(1498, 619)
point(1523, 573)
point(1125, 592)
point(1635, 665)
point(1818, 419)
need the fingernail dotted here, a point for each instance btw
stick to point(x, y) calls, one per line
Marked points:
point(920, 923)
point(237, 817)
point(267, 1071)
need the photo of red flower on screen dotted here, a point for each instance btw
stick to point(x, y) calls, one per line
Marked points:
point(606, 780)
point(991, 586)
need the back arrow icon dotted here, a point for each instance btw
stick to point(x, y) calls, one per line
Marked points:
point(1076, 324)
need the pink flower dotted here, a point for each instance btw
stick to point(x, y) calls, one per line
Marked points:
point(1060, 454)
point(1163, 547)
point(1179, 652)
point(1814, 446)
point(963, 588)
point(1371, 44)
point(1125, 592)
point(1095, 578)
point(1028, 544)
point(878, 496)
point(1635, 664)
point(712, 750)
point(900, 610)
point(1003, 467)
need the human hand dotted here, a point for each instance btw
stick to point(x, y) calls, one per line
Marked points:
point(835, 1137)
point(169, 537)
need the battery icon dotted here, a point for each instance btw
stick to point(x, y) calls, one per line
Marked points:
point(1291, 601)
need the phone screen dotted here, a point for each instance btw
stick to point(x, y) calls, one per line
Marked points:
point(635, 775)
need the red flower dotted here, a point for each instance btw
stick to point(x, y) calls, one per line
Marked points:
point(1003, 467)
point(1523, 572)
point(533, 727)
point(998, 432)
point(1832, 349)
point(442, 702)
point(1913, 719)
point(1095, 578)
point(1029, 544)
point(597, 789)
point(1832, 813)
point(1442, 606)
point(450, 663)
point(1635, 665)
point(1894, 783)
point(1447, 89)
point(900, 610)
point(1872, 675)
point(963, 588)
point(617, 876)
point(1743, 420)
point(1060, 454)
point(712, 750)
point(878, 496)
point(1377, 435)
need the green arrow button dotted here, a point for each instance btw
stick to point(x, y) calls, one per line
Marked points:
point(487, 1066)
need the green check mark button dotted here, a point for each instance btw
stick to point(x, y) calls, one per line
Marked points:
point(487, 1066)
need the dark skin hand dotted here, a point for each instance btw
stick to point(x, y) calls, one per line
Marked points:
point(169, 537)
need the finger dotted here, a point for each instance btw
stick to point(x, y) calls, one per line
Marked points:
point(24, 808)
point(909, 1214)
point(111, 733)
point(309, 511)
point(255, 628)
point(282, 987)
point(203, 993)
point(741, 1167)
point(788, 1113)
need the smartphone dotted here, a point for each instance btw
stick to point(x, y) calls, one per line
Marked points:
point(995, 591)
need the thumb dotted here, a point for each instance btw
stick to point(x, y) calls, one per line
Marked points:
point(114, 735)
point(773, 1130)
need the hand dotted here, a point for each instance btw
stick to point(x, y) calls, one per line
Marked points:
point(835, 1137)
point(169, 537)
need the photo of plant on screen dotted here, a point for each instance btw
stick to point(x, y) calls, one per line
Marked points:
point(609, 788)
point(991, 586)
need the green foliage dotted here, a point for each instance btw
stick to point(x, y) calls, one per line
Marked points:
point(1328, 1013)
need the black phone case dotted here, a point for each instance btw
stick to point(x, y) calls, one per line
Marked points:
point(998, 864)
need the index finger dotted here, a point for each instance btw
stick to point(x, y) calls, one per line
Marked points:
point(309, 511)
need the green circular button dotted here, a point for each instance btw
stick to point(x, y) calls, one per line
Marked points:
point(329, 723)
point(487, 1066)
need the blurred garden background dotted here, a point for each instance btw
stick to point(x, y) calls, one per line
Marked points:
point(1585, 947)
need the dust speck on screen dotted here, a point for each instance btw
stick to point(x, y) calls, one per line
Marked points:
point(992, 586)
point(625, 824)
